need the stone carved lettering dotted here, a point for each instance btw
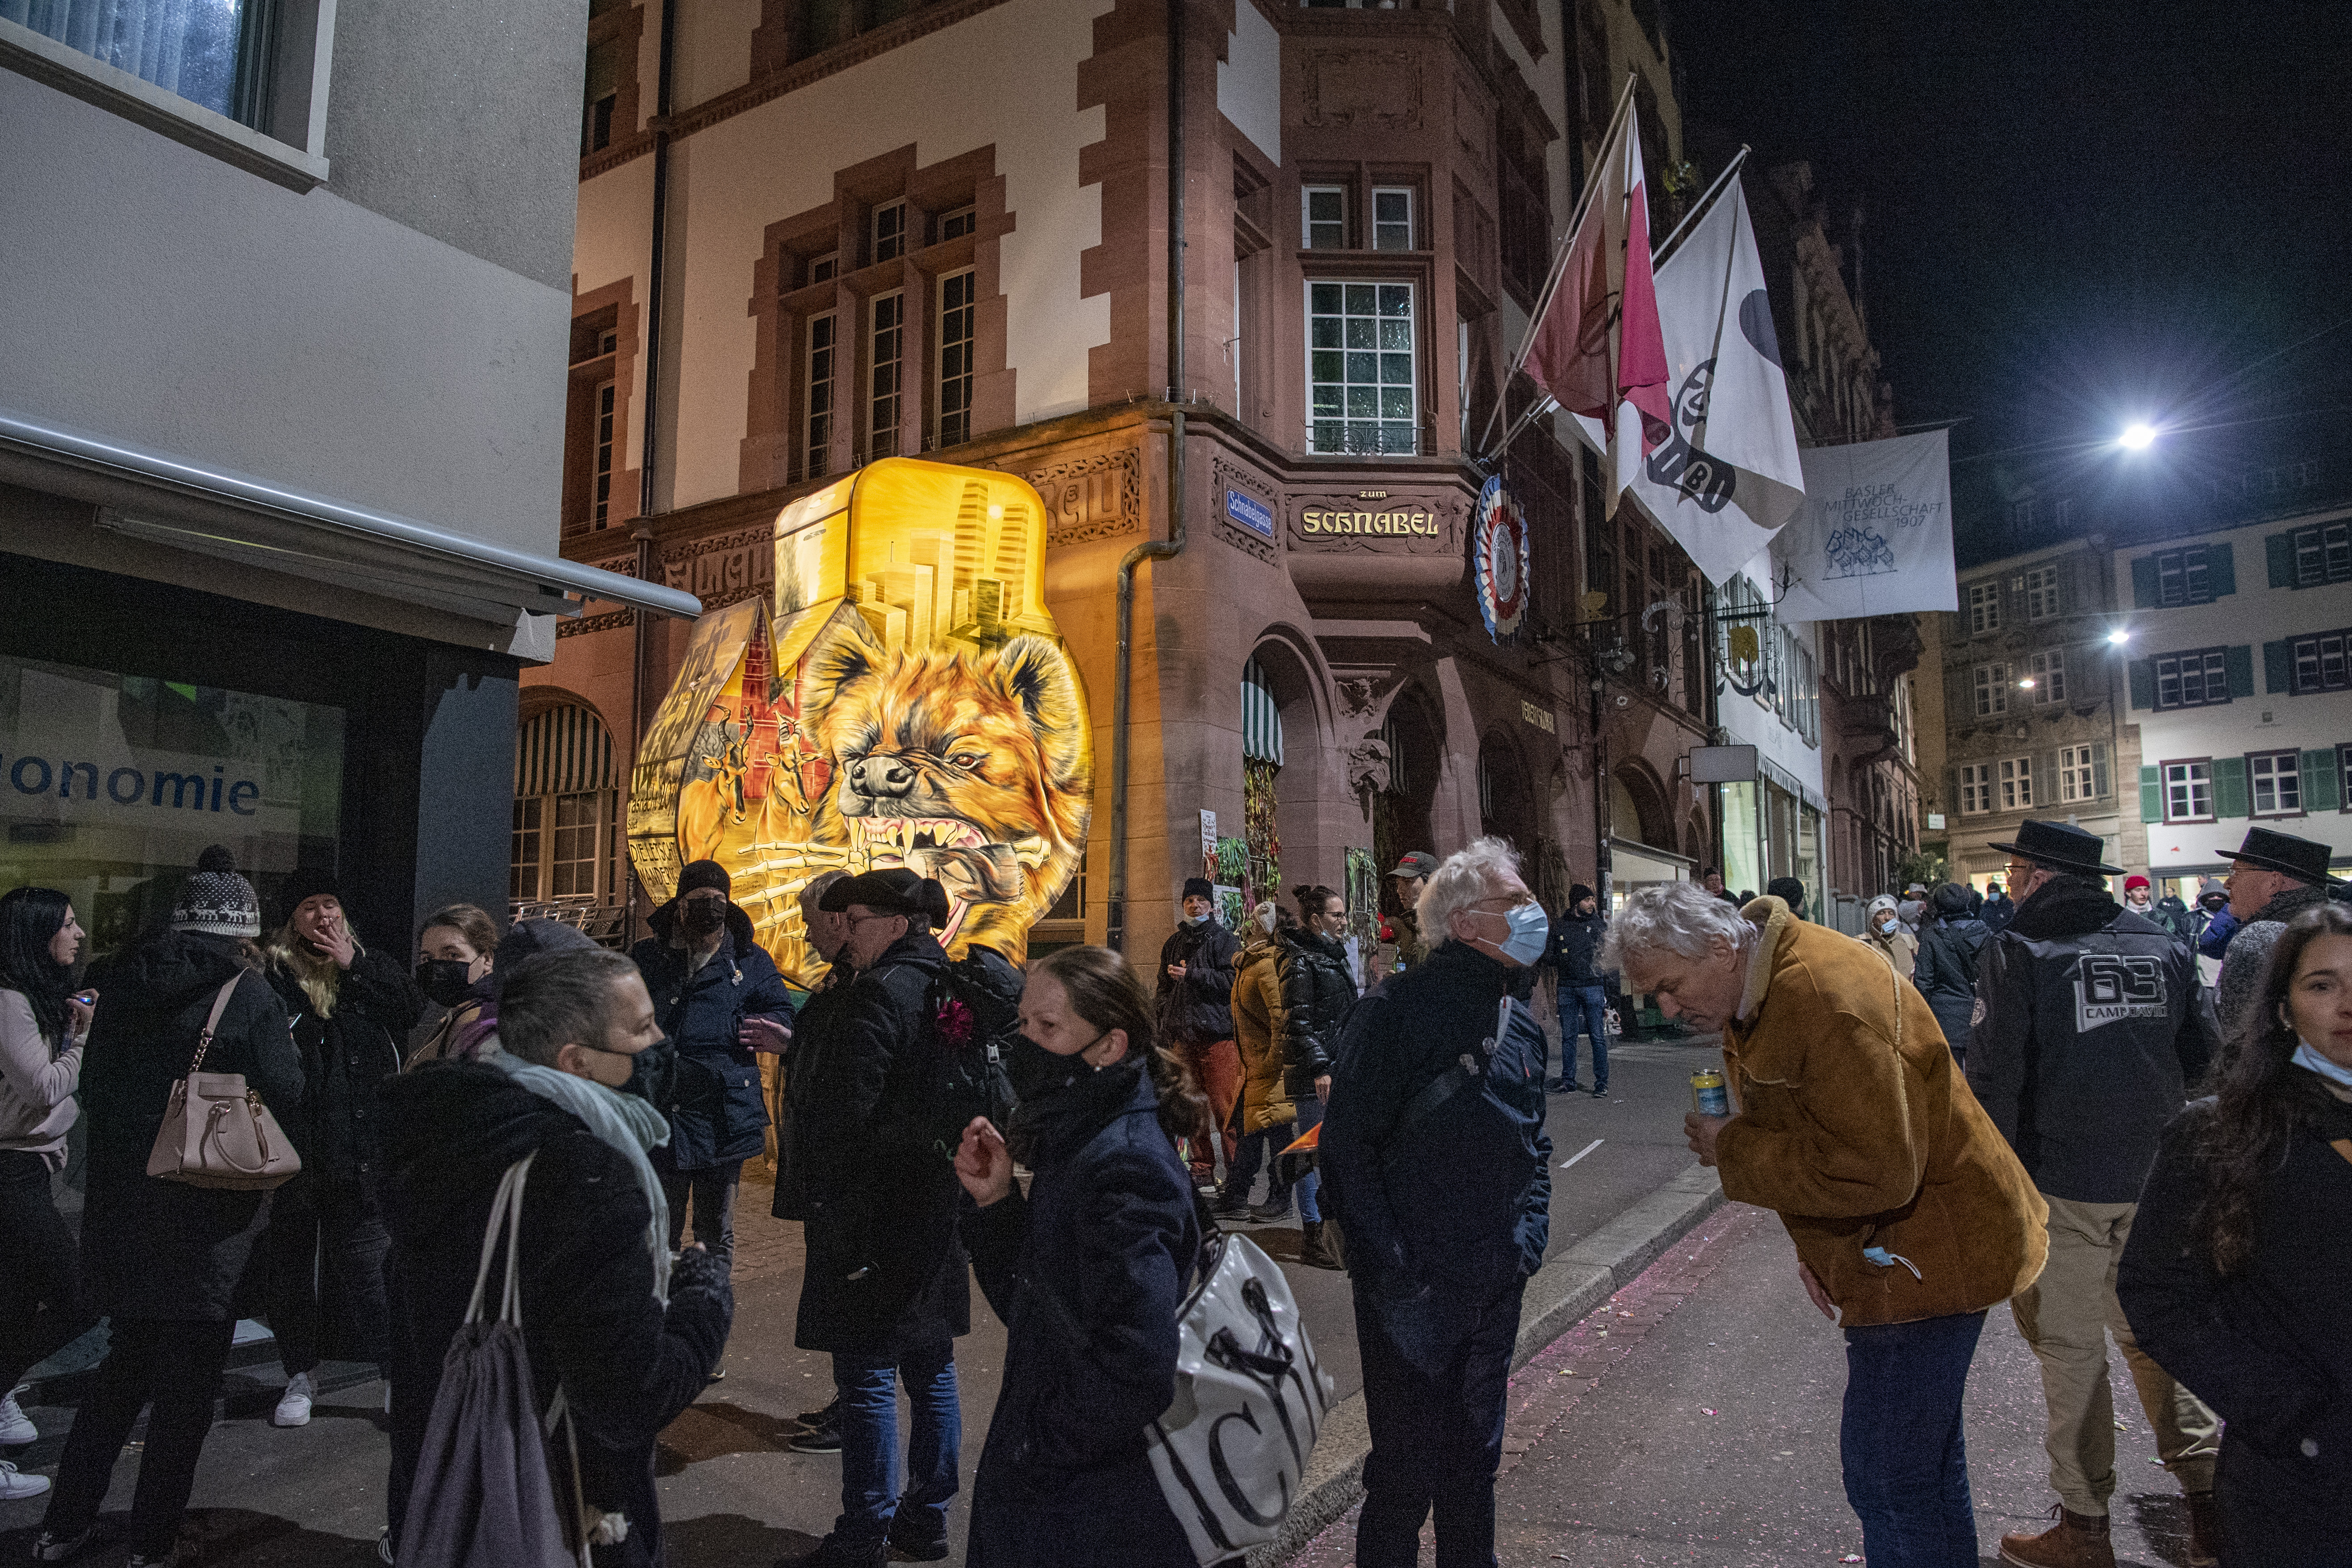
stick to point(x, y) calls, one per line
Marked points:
point(1098, 497)
point(723, 569)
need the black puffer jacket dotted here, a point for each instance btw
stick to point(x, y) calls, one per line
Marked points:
point(2087, 1040)
point(1945, 973)
point(1198, 1008)
point(152, 1248)
point(814, 1031)
point(345, 1057)
point(1317, 992)
point(886, 1273)
point(1573, 952)
point(1087, 1273)
point(590, 1320)
point(715, 1109)
point(2269, 1347)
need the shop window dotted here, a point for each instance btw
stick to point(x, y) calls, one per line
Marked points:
point(1325, 218)
point(565, 809)
point(2319, 663)
point(110, 786)
point(2197, 678)
point(2046, 676)
point(2016, 778)
point(2082, 771)
point(1392, 220)
point(2189, 792)
point(2276, 779)
point(889, 232)
point(1992, 690)
point(816, 395)
point(956, 318)
point(2043, 591)
point(1361, 373)
point(887, 348)
point(1984, 607)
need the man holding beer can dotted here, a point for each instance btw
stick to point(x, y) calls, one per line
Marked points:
point(1911, 1218)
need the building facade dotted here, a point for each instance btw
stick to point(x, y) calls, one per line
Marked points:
point(279, 434)
point(1264, 471)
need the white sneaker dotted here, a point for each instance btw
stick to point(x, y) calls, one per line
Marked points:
point(14, 1486)
point(294, 1405)
point(15, 1429)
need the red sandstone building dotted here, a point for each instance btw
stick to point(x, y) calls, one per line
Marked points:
point(944, 230)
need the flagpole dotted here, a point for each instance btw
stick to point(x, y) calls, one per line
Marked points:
point(1704, 203)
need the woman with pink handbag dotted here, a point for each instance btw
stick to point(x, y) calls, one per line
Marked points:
point(161, 1257)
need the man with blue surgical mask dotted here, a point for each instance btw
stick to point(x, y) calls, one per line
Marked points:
point(1197, 966)
point(1437, 1169)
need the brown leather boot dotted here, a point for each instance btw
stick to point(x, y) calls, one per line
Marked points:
point(2076, 1540)
point(2204, 1529)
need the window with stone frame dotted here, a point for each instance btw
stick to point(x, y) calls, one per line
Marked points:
point(1984, 607)
point(2082, 771)
point(957, 315)
point(1992, 684)
point(2046, 676)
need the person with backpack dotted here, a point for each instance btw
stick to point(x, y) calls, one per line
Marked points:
point(1088, 1270)
point(1945, 973)
point(626, 1337)
point(1317, 990)
point(721, 1001)
point(886, 1291)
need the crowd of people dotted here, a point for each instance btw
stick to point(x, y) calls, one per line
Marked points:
point(1984, 1098)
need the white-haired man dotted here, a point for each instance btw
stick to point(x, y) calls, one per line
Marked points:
point(1910, 1214)
point(1435, 1164)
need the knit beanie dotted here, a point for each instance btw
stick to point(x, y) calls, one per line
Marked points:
point(307, 882)
point(1199, 888)
point(700, 874)
point(216, 900)
point(1578, 894)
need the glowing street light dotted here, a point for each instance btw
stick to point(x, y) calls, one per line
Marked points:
point(2136, 437)
point(2119, 637)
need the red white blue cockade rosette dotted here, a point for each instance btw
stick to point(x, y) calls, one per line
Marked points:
point(1498, 552)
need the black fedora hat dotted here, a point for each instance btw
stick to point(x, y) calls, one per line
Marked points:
point(2277, 851)
point(2061, 848)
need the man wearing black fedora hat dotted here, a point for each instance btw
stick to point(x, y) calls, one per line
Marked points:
point(2274, 877)
point(2084, 1039)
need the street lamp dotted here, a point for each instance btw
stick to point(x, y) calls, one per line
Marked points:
point(2119, 637)
point(2136, 437)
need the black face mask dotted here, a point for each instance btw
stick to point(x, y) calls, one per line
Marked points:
point(701, 916)
point(653, 1073)
point(444, 980)
point(1036, 1072)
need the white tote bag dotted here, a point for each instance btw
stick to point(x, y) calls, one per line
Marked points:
point(1250, 1402)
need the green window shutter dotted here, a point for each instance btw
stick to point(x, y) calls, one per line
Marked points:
point(2278, 549)
point(2319, 780)
point(2151, 794)
point(2278, 668)
point(2143, 682)
point(2220, 569)
point(2230, 786)
point(2240, 662)
point(2143, 593)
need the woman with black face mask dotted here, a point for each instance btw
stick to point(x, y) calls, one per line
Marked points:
point(456, 948)
point(1087, 1270)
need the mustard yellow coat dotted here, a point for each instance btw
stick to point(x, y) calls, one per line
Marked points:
point(1257, 1032)
point(1853, 1126)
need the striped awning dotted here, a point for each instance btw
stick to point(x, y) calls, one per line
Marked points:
point(1261, 720)
point(563, 752)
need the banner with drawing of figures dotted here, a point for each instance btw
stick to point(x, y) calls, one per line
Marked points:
point(1874, 534)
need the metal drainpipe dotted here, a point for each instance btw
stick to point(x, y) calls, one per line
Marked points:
point(1122, 702)
point(642, 530)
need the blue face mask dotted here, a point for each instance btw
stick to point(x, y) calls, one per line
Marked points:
point(2307, 1056)
point(1196, 920)
point(1530, 930)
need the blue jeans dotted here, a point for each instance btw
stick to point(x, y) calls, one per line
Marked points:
point(1906, 1458)
point(868, 1385)
point(1588, 1004)
point(1310, 1114)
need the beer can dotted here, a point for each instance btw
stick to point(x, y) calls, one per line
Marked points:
point(1708, 1094)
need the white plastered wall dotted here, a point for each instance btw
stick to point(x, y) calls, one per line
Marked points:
point(1249, 80)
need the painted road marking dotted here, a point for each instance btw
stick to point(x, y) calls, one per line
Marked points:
point(1580, 1153)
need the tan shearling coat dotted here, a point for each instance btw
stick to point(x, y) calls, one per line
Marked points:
point(1852, 1125)
point(1257, 1034)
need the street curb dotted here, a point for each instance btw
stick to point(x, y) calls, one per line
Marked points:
point(1570, 1285)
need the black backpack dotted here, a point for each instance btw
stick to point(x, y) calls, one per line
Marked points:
point(974, 1015)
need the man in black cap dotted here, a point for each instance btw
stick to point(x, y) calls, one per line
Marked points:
point(1412, 873)
point(885, 1292)
point(2274, 877)
point(1790, 891)
point(1574, 956)
point(2085, 1040)
point(1197, 965)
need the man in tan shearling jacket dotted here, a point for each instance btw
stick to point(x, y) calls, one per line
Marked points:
point(1910, 1214)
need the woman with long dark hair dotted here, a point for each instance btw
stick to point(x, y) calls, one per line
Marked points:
point(2238, 1276)
point(1087, 1270)
point(42, 1026)
point(1317, 992)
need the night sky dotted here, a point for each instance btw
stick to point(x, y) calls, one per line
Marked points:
point(2075, 214)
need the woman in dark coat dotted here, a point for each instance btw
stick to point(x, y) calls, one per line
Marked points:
point(1946, 972)
point(1087, 1270)
point(1317, 992)
point(2237, 1279)
point(720, 999)
point(162, 1258)
point(351, 1010)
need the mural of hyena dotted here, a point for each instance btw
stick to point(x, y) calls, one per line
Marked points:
point(970, 766)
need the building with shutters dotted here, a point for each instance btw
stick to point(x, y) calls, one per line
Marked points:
point(2239, 677)
point(868, 251)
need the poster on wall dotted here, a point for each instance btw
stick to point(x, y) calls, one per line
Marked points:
point(904, 700)
point(1499, 551)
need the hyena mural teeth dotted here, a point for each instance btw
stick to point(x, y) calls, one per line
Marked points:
point(905, 700)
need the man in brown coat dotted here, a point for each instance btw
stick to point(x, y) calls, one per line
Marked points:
point(1910, 1214)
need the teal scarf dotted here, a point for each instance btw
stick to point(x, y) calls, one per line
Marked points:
point(622, 1123)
